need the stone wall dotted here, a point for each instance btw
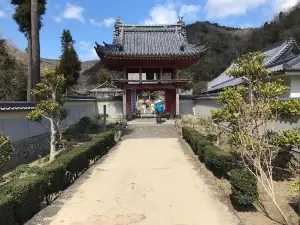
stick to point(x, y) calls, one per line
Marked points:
point(28, 150)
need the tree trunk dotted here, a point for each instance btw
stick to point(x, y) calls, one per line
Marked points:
point(53, 139)
point(29, 78)
point(35, 43)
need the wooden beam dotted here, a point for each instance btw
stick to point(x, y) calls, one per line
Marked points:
point(176, 73)
point(177, 103)
point(125, 73)
point(124, 104)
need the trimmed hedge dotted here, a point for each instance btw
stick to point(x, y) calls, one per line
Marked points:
point(218, 161)
point(202, 146)
point(195, 139)
point(243, 187)
point(21, 199)
point(7, 210)
point(243, 184)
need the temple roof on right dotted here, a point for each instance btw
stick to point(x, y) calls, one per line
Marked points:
point(282, 56)
point(149, 40)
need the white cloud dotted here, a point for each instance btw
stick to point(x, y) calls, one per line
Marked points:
point(283, 5)
point(162, 14)
point(224, 8)
point(57, 19)
point(98, 24)
point(71, 12)
point(2, 14)
point(89, 55)
point(190, 12)
point(168, 13)
point(83, 45)
point(108, 22)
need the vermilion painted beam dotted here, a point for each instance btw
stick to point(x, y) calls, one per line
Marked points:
point(150, 87)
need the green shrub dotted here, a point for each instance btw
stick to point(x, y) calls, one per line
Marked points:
point(212, 137)
point(243, 187)
point(7, 210)
point(84, 123)
point(186, 133)
point(94, 128)
point(54, 176)
point(201, 147)
point(24, 196)
point(24, 169)
point(6, 149)
point(218, 161)
point(75, 161)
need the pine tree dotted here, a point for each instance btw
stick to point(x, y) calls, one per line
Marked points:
point(70, 64)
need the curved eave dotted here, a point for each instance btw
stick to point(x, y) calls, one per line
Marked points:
point(105, 52)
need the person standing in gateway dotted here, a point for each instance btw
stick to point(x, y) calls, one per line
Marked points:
point(159, 108)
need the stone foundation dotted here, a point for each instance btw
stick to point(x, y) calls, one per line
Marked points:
point(28, 150)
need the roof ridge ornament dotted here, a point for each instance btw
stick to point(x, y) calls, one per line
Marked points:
point(117, 29)
point(180, 21)
point(118, 21)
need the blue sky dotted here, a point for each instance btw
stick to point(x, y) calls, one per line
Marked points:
point(93, 20)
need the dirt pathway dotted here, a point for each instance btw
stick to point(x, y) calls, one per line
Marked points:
point(148, 179)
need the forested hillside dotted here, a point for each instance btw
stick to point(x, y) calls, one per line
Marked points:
point(226, 43)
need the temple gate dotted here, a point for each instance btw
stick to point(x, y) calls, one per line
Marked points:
point(150, 57)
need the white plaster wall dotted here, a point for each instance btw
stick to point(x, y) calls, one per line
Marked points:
point(295, 86)
point(203, 107)
point(113, 108)
point(78, 109)
point(17, 127)
point(186, 107)
point(287, 82)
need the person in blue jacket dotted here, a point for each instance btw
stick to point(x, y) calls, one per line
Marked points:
point(159, 108)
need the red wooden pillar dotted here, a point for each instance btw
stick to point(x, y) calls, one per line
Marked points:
point(128, 104)
point(172, 100)
point(124, 104)
point(167, 101)
point(125, 107)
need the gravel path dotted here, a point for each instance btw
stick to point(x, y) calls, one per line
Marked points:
point(149, 178)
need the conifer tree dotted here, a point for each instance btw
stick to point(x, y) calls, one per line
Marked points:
point(22, 16)
point(70, 64)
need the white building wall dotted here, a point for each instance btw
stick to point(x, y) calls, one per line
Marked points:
point(186, 107)
point(78, 109)
point(113, 108)
point(15, 125)
point(295, 87)
point(203, 107)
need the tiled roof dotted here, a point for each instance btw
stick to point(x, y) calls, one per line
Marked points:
point(106, 87)
point(281, 56)
point(16, 106)
point(149, 40)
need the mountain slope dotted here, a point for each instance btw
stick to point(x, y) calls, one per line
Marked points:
point(226, 44)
